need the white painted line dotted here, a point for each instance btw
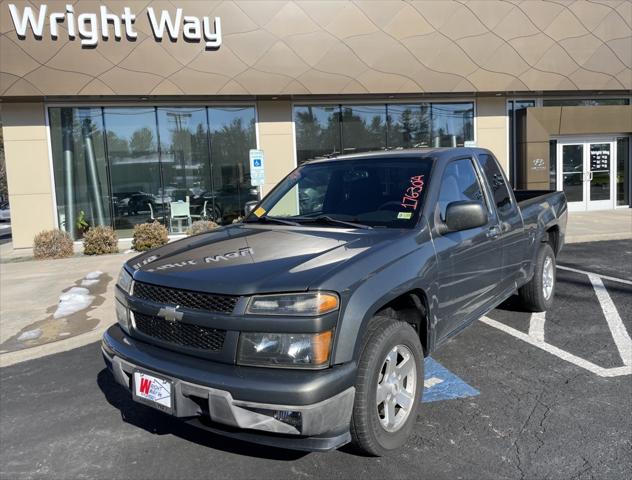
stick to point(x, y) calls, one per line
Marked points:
point(569, 357)
point(605, 277)
point(619, 333)
point(432, 381)
point(536, 326)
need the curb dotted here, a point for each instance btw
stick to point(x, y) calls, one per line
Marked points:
point(597, 237)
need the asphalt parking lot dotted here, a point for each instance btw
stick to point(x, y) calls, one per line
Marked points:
point(513, 396)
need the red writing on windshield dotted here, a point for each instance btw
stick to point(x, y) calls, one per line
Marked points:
point(412, 193)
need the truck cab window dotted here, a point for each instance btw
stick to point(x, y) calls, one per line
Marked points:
point(497, 183)
point(459, 183)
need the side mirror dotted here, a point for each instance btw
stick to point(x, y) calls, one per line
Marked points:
point(464, 215)
point(250, 206)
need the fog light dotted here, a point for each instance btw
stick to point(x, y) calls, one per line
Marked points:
point(288, 417)
point(294, 419)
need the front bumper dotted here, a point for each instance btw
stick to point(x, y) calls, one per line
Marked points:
point(241, 401)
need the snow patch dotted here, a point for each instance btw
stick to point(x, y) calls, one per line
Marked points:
point(73, 301)
point(88, 283)
point(94, 275)
point(30, 335)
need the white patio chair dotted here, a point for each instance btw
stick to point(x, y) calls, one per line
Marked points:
point(179, 211)
point(203, 213)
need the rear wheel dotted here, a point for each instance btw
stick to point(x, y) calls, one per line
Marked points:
point(537, 295)
point(388, 387)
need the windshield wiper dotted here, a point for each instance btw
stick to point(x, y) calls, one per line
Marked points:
point(274, 220)
point(334, 221)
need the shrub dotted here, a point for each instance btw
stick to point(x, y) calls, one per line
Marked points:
point(100, 241)
point(149, 235)
point(201, 226)
point(52, 244)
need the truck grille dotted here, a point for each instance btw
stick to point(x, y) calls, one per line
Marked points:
point(179, 333)
point(208, 302)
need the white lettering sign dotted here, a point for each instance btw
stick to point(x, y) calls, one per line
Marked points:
point(92, 26)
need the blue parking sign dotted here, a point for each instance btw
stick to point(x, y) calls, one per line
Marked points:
point(257, 171)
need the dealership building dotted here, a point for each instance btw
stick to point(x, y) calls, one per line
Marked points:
point(121, 112)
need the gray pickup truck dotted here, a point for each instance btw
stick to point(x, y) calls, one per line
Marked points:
point(306, 325)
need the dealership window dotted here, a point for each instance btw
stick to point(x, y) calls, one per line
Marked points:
point(184, 156)
point(409, 126)
point(514, 107)
point(122, 166)
point(452, 124)
point(317, 131)
point(552, 164)
point(623, 171)
point(132, 147)
point(232, 135)
point(326, 130)
point(363, 128)
point(81, 177)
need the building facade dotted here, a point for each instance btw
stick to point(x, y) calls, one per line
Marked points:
point(120, 112)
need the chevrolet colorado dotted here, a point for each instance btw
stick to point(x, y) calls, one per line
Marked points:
point(306, 325)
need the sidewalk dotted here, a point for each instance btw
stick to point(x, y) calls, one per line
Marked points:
point(599, 225)
point(30, 295)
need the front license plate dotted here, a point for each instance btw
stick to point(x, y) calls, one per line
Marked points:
point(153, 391)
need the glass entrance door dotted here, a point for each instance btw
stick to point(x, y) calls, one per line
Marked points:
point(586, 173)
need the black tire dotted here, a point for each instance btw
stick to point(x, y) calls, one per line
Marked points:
point(367, 433)
point(532, 294)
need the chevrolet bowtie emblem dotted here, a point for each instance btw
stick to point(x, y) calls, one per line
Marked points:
point(170, 314)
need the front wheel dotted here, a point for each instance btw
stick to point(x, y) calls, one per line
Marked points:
point(537, 295)
point(388, 387)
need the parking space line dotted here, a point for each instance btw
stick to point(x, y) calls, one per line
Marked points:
point(620, 335)
point(605, 277)
point(569, 357)
point(536, 326)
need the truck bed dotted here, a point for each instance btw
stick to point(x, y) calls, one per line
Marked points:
point(543, 209)
point(525, 195)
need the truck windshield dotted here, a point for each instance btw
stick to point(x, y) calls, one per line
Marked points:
point(358, 193)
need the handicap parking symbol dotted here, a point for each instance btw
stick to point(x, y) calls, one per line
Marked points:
point(257, 162)
point(441, 384)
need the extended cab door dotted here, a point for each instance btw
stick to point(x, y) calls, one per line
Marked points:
point(469, 262)
point(513, 239)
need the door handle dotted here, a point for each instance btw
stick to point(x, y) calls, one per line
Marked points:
point(493, 232)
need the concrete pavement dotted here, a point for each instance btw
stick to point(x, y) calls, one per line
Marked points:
point(30, 295)
point(600, 225)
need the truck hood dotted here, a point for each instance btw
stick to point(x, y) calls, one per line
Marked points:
point(248, 259)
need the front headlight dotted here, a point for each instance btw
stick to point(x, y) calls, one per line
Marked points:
point(286, 350)
point(125, 281)
point(310, 304)
point(122, 316)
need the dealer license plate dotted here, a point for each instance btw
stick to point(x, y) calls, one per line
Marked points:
point(153, 391)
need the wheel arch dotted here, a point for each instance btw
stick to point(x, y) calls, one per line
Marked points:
point(412, 307)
